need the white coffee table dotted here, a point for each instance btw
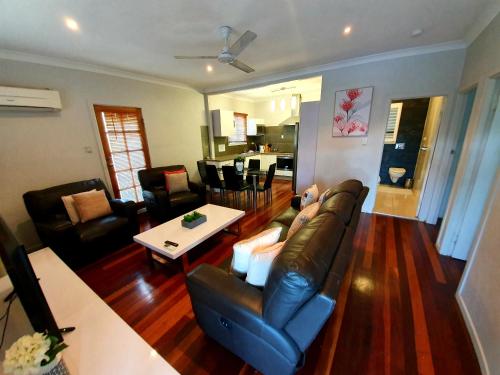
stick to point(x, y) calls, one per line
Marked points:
point(218, 218)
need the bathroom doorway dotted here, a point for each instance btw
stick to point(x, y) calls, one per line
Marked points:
point(409, 143)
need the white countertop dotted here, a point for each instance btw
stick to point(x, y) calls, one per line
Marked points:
point(102, 342)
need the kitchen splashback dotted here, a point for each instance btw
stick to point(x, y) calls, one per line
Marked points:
point(281, 137)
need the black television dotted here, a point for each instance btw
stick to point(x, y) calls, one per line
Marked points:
point(25, 283)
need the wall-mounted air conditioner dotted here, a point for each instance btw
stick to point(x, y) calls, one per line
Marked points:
point(17, 98)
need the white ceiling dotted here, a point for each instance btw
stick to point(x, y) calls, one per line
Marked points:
point(143, 36)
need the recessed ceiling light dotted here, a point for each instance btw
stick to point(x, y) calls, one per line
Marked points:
point(209, 68)
point(71, 24)
point(347, 30)
point(417, 32)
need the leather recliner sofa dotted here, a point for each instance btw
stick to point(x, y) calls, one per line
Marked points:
point(164, 206)
point(271, 328)
point(82, 243)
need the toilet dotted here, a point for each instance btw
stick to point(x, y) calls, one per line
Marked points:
point(396, 173)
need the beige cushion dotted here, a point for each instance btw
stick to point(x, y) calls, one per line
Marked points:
point(243, 249)
point(309, 196)
point(176, 182)
point(69, 204)
point(260, 263)
point(91, 205)
point(304, 216)
point(324, 196)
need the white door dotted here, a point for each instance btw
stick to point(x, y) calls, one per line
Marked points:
point(427, 145)
point(485, 178)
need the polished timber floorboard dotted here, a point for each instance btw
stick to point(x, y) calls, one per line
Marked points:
point(396, 312)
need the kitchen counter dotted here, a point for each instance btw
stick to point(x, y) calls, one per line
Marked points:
point(248, 154)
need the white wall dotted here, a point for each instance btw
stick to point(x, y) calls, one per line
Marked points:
point(482, 64)
point(338, 159)
point(229, 103)
point(263, 110)
point(39, 150)
point(479, 290)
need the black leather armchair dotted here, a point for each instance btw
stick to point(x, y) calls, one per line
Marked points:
point(79, 244)
point(271, 328)
point(164, 206)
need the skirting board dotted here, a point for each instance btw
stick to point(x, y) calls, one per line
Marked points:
point(483, 363)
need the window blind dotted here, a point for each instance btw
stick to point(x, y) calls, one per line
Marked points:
point(240, 129)
point(125, 150)
point(391, 130)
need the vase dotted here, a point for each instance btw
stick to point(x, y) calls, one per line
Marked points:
point(239, 166)
point(56, 367)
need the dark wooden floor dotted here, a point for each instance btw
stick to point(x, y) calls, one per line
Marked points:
point(396, 313)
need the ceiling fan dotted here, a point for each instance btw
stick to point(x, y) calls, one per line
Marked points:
point(229, 54)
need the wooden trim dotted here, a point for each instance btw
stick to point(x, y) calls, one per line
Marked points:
point(99, 109)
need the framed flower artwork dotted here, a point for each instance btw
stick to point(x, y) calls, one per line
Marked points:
point(352, 112)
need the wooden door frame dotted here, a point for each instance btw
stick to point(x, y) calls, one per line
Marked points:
point(99, 108)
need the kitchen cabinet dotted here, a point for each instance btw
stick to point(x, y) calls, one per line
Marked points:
point(222, 123)
point(252, 125)
point(266, 161)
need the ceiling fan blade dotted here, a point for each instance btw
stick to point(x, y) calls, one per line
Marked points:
point(242, 43)
point(194, 57)
point(241, 66)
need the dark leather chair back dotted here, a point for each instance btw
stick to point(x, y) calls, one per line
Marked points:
point(213, 177)
point(230, 178)
point(269, 177)
point(202, 170)
point(46, 203)
point(254, 164)
point(153, 178)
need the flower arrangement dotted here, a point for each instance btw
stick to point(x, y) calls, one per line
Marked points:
point(352, 111)
point(33, 355)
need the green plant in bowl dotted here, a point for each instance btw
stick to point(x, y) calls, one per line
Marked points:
point(192, 216)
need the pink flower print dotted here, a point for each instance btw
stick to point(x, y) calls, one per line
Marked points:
point(347, 105)
point(354, 93)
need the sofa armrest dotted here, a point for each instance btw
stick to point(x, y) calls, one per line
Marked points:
point(158, 196)
point(295, 202)
point(55, 225)
point(123, 208)
point(225, 293)
point(53, 231)
point(229, 310)
point(199, 189)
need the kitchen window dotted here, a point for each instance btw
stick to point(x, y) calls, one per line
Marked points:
point(239, 135)
point(125, 147)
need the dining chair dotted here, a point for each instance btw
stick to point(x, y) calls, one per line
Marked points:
point(214, 182)
point(202, 170)
point(234, 184)
point(253, 165)
point(267, 188)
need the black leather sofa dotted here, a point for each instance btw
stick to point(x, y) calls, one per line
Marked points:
point(164, 206)
point(80, 244)
point(272, 328)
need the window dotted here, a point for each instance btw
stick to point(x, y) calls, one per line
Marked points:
point(240, 129)
point(391, 131)
point(125, 147)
